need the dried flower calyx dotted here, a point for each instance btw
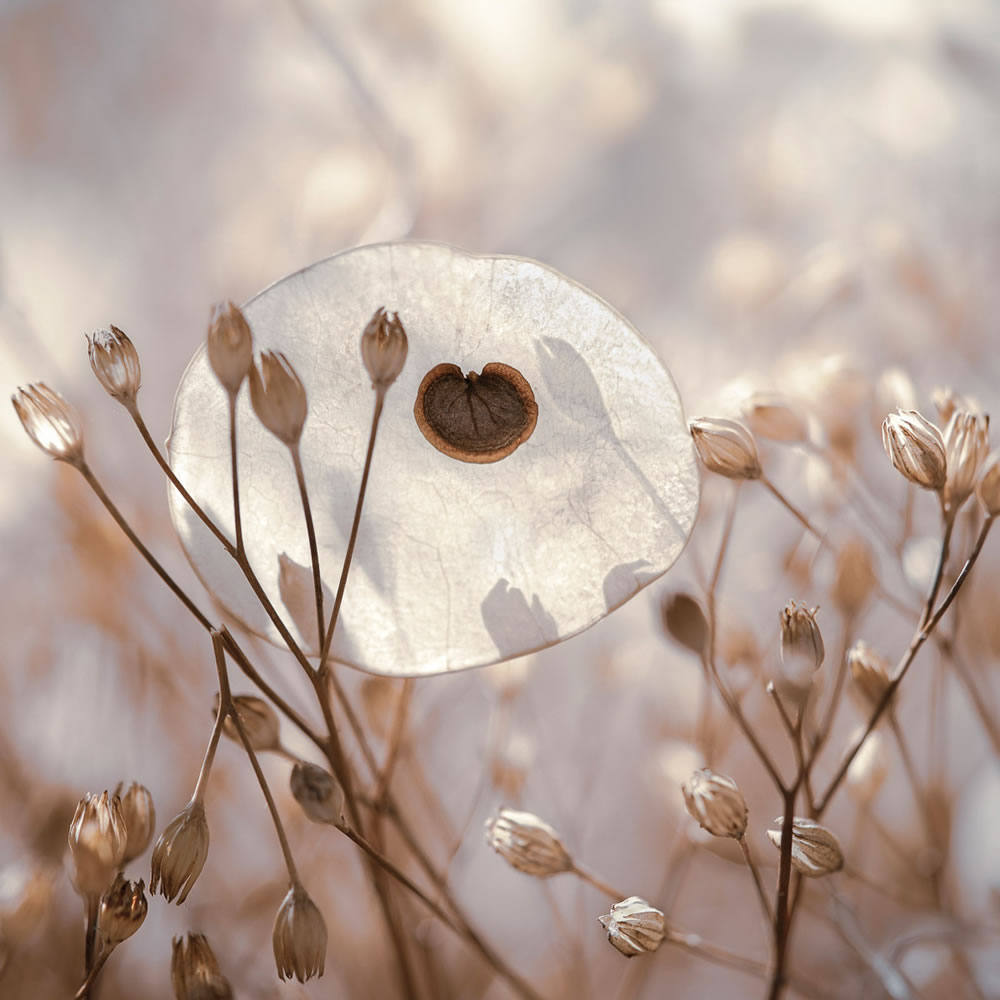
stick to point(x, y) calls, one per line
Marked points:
point(279, 397)
point(634, 926)
point(384, 348)
point(230, 346)
point(527, 843)
point(115, 362)
point(140, 819)
point(50, 422)
point(966, 445)
point(195, 972)
point(715, 803)
point(299, 937)
point(815, 849)
point(725, 447)
point(97, 839)
point(180, 853)
point(916, 448)
point(122, 910)
point(318, 792)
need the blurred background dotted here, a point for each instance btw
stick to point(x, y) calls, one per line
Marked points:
point(783, 196)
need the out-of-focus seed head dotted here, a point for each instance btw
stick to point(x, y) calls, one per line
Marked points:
point(140, 819)
point(869, 675)
point(115, 362)
point(230, 346)
point(916, 448)
point(180, 853)
point(685, 622)
point(260, 722)
point(966, 445)
point(122, 910)
point(279, 397)
point(50, 422)
point(299, 937)
point(802, 653)
point(195, 972)
point(894, 390)
point(988, 487)
point(318, 792)
point(715, 803)
point(527, 843)
point(634, 926)
point(815, 849)
point(869, 769)
point(776, 418)
point(725, 447)
point(946, 401)
point(383, 348)
point(97, 839)
point(854, 578)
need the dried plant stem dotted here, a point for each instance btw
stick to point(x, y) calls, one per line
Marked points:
point(395, 742)
point(599, 884)
point(91, 904)
point(87, 988)
point(300, 478)
point(213, 742)
point(782, 923)
point(758, 882)
point(949, 526)
point(233, 464)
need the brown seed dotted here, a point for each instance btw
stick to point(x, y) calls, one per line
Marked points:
point(476, 417)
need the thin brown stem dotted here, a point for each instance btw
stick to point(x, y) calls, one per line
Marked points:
point(758, 882)
point(91, 905)
point(87, 987)
point(300, 478)
point(782, 924)
point(233, 465)
point(599, 884)
point(395, 741)
point(942, 560)
point(213, 742)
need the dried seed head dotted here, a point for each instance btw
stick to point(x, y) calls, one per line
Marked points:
point(815, 849)
point(715, 803)
point(527, 843)
point(230, 346)
point(278, 397)
point(180, 853)
point(195, 972)
point(299, 937)
point(383, 348)
point(260, 722)
point(634, 926)
point(685, 622)
point(988, 487)
point(916, 448)
point(140, 819)
point(122, 911)
point(115, 362)
point(869, 769)
point(318, 792)
point(725, 447)
point(802, 652)
point(966, 444)
point(946, 401)
point(50, 422)
point(869, 673)
point(854, 577)
point(776, 418)
point(97, 839)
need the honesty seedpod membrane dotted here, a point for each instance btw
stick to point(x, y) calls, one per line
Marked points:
point(533, 468)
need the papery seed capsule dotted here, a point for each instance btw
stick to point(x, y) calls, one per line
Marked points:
point(916, 448)
point(260, 722)
point(230, 346)
point(384, 348)
point(685, 622)
point(815, 849)
point(634, 926)
point(122, 910)
point(802, 652)
point(115, 362)
point(278, 397)
point(776, 418)
point(725, 447)
point(299, 937)
point(180, 853)
point(966, 444)
point(50, 422)
point(139, 815)
point(97, 840)
point(869, 674)
point(318, 792)
point(715, 803)
point(527, 843)
point(195, 972)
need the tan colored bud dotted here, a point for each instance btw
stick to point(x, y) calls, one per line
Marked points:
point(966, 444)
point(97, 839)
point(634, 926)
point(988, 487)
point(115, 362)
point(140, 818)
point(260, 722)
point(802, 652)
point(725, 447)
point(318, 792)
point(230, 346)
point(715, 803)
point(50, 422)
point(815, 849)
point(854, 578)
point(916, 448)
point(180, 853)
point(776, 418)
point(869, 674)
point(383, 348)
point(685, 622)
point(527, 843)
point(299, 937)
point(195, 972)
point(122, 910)
point(869, 769)
point(278, 397)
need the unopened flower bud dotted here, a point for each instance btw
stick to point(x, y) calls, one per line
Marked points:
point(775, 418)
point(140, 819)
point(195, 972)
point(869, 769)
point(685, 622)
point(725, 447)
point(230, 346)
point(122, 911)
point(50, 422)
point(278, 397)
point(180, 853)
point(815, 849)
point(869, 674)
point(97, 841)
point(802, 652)
point(715, 803)
point(115, 362)
point(383, 348)
point(988, 487)
point(318, 792)
point(634, 926)
point(299, 937)
point(260, 722)
point(527, 843)
point(854, 577)
point(966, 444)
point(916, 448)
